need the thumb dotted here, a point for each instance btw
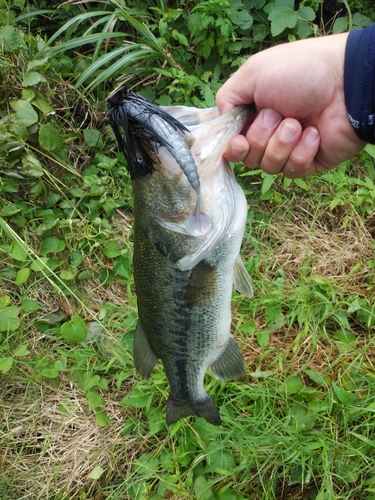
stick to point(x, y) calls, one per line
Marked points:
point(239, 89)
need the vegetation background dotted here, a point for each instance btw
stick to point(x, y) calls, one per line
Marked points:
point(75, 420)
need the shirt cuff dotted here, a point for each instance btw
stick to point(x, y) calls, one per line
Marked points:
point(359, 81)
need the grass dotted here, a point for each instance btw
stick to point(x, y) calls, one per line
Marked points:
point(76, 422)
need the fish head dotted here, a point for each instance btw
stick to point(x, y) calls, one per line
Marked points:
point(167, 195)
point(208, 137)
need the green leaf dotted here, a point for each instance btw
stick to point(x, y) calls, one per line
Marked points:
point(87, 274)
point(317, 377)
point(340, 25)
point(10, 210)
point(180, 38)
point(28, 94)
point(263, 338)
point(31, 167)
point(268, 180)
point(9, 321)
point(245, 19)
point(29, 305)
point(139, 491)
point(33, 78)
point(209, 97)
point(282, 18)
point(345, 397)
point(18, 251)
point(146, 465)
point(94, 399)
point(111, 250)
point(50, 371)
point(21, 351)
point(292, 385)
point(228, 494)
point(306, 13)
point(49, 137)
point(91, 137)
point(123, 267)
point(248, 327)
point(39, 264)
point(157, 423)
point(36, 63)
point(22, 276)
point(276, 323)
point(6, 364)
point(11, 38)
point(76, 258)
point(96, 472)
point(74, 330)
point(68, 274)
point(43, 105)
point(219, 459)
point(25, 113)
point(360, 21)
point(4, 301)
point(51, 245)
point(136, 399)
point(202, 489)
point(302, 184)
point(288, 4)
point(102, 419)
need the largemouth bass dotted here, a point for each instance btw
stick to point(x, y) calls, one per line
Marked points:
point(184, 269)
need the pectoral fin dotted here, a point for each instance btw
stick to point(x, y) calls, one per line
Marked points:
point(202, 287)
point(144, 357)
point(241, 278)
point(230, 365)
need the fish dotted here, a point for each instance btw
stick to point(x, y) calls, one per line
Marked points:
point(184, 263)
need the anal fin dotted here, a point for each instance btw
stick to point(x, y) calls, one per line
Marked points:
point(230, 365)
point(144, 357)
point(241, 279)
point(205, 408)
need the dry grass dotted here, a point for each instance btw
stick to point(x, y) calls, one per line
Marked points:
point(53, 442)
point(330, 250)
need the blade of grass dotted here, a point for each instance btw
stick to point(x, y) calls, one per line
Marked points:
point(77, 42)
point(105, 59)
point(123, 63)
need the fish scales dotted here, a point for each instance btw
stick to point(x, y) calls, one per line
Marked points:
point(184, 283)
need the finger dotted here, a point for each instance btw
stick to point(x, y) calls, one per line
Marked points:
point(280, 146)
point(301, 161)
point(237, 149)
point(234, 92)
point(259, 134)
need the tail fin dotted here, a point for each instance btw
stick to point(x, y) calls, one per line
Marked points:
point(205, 408)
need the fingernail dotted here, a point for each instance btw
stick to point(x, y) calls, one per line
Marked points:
point(270, 118)
point(310, 135)
point(287, 132)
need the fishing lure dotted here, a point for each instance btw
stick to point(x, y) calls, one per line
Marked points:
point(146, 127)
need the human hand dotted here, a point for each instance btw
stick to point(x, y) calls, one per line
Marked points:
point(302, 124)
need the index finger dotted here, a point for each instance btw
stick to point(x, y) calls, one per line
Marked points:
point(239, 89)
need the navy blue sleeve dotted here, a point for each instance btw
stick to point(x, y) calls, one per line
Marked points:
point(359, 81)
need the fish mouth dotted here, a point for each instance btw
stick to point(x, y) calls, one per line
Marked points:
point(148, 130)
